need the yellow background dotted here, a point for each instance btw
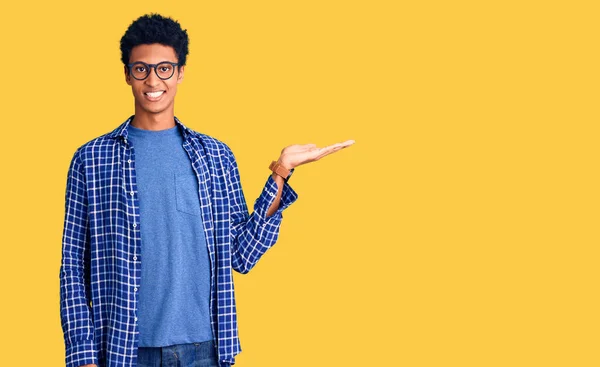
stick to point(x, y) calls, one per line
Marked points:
point(460, 230)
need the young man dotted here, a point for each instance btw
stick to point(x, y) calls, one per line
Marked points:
point(155, 222)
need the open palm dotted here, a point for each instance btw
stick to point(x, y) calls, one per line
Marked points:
point(298, 154)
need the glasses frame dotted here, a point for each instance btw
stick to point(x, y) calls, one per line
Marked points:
point(149, 67)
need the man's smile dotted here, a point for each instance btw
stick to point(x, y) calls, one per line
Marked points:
point(154, 96)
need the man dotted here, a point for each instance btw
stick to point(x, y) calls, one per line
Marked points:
point(155, 222)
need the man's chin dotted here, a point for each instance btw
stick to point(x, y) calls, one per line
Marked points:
point(153, 108)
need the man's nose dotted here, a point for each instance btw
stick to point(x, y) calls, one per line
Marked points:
point(152, 78)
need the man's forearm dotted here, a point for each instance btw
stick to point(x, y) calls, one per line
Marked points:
point(275, 205)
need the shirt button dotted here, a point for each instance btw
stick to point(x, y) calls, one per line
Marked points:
point(135, 318)
point(135, 257)
point(132, 193)
point(135, 289)
point(129, 161)
point(134, 225)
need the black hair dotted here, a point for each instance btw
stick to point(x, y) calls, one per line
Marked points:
point(154, 28)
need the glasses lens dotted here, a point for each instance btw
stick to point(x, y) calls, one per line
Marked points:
point(139, 70)
point(165, 70)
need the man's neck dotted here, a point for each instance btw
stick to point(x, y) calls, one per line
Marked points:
point(153, 121)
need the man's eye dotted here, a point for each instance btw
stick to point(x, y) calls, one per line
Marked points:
point(165, 68)
point(140, 69)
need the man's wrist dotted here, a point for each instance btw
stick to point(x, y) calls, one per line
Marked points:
point(280, 170)
point(287, 165)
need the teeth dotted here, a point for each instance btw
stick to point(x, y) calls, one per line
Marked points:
point(155, 94)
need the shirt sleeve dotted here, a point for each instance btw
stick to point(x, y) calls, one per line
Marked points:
point(75, 310)
point(252, 235)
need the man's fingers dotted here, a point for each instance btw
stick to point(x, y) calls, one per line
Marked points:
point(310, 152)
point(344, 144)
point(337, 146)
point(332, 149)
point(312, 147)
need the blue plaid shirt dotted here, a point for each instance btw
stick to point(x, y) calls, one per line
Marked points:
point(101, 246)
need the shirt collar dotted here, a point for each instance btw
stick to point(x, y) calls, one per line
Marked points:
point(121, 130)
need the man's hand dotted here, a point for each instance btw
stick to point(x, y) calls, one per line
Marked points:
point(295, 155)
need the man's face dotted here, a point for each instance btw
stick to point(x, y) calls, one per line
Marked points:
point(154, 54)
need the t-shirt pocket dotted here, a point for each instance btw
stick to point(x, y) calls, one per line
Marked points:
point(186, 193)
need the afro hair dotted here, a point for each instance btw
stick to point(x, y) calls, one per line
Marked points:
point(154, 28)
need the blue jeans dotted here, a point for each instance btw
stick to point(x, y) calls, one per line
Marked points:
point(202, 354)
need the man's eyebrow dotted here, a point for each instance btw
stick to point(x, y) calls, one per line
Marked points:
point(160, 62)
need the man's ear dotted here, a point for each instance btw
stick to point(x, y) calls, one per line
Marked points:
point(180, 74)
point(127, 76)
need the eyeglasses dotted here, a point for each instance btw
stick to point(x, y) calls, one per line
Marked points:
point(140, 70)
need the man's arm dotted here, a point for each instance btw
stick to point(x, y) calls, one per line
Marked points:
point(75, 313)
point(295, 155)
point(279, 181)
point(253, 234)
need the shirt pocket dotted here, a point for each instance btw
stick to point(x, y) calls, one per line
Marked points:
point(186, 193)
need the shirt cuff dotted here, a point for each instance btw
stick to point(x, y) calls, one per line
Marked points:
point(81, 353)
point(266, 198)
